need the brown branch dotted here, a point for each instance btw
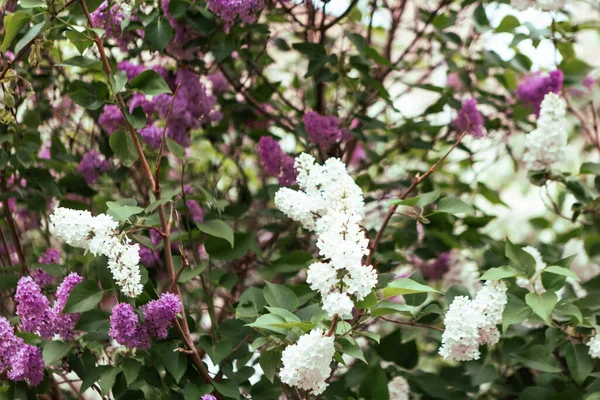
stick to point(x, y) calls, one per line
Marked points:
point(164, 138)
point(412, 323)
point(416, 181)
point(334, 324)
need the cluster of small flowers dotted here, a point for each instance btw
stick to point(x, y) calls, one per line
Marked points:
point(184, 33)
point(398, 389)
point(97, 234)
point(230, 10)
point(39, 275)
point(110, 20)
point(469, 119)
point(582, 265)
point(218, 82)
point(535, 88)
point(275, 161)
point(471, 323)
point(322, 130)
point(128, 331)
point(545, 146)
point(594, 345)
point(33, 307)
point(21, 362)
point(331, 204)
point(92, 165)
point(545, 5)
point(306, 363)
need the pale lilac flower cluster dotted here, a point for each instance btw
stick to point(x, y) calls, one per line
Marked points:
point(35, 312)
point(398, 389)
point(196, 213)
point(533, 90)
point(306, 363)
point(322, 130)
point(179, 47)
point(545, 146)
point(127, 329)
point(275, 161)
point(471, 323)
point(111, 119)
point(331, 204)
point(132, 70)
point(92, 165)
point(98, 236)
point(594, 345)
point(218, 82)
point(469, 119)
point(208, 397)
point(544, 5)
point(433, 269)
point(230, 10)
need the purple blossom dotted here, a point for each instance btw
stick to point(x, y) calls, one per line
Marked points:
point(588, 82)
point(436, 268)
point(125, 327)
point(453, 81)
point(140, 100)
point(322, 130)
point(195, 210)
point(9, 343)
point(230, 10)
point(184, 33)
point(218, 82)
point(50, 256)
point(65, 323)
point(537, 86)
point(111, 119)
point(42, 278)
point(110, 21)
point(159, 314)
point(33, 308)
point(152, 135)
point(208, 397)
point(92, 165)
point(132, 70)
point(469, 119)
point(275, 162)
point(27, 364)
point(148, 257)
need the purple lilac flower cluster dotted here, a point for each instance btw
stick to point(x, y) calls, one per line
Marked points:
point(127, 329)
point(533, 90)
point(92, 165)
point(110, 20)
point(184, 33)
point(33, 307)
point(218, 82)
point(435, 268)
point(22, 362)
point(322, 130)
point(111, 119)
point(275, 162)
point(469, 119)
point(39, 275)
point(196, 212)
point(230, 10)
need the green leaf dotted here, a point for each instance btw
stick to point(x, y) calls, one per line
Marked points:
point(555, 269)
point(84, 296)
point(268, 322)
point(190, 274)
point(406, 286)
point(122, 145)
point(54, 351)
point(137, 119)
point(579, 361)
point(280, 296)
point(131, 370)
point(29, 36)
point(515, 312)
point(494, 274)
point(118, 81)
point(305, 326)
point(174, 361)
point(79, 61)
point(508, 24)
point(590, 168)
point(309, 49)
point(12, 25)
point(107, 379)
point(367, 50)
point(420, 201)
point(32, 4)
point(79, 40)
point(368, 302)
point(452, 205)
point(217, 228)
point(375, 385)
point(159, 33)
point(228, 388)
point(217, 351)
point(194, 391)
point(537, 357)
point(175, 148)
point(389, 307)
point(122, 212)
point(542, 304)
point(269, 362)
point(149, 82)
point(351, 348)
point(520, 260)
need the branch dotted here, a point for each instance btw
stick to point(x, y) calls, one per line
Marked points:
point(412, 323)
point(416, 181)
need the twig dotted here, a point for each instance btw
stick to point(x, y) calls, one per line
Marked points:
point(412, 323)
point(334, 323)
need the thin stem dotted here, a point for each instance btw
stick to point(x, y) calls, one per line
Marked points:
point(412, 323)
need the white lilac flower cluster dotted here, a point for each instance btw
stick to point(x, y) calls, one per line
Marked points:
point(398, 389)
point(306, 363)
point(331, 204)
point(545, 146)
point(98, 236)
point(545, 5)
point(594, 345)
point(471, 323)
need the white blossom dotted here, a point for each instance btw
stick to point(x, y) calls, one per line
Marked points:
point(470, 323)
point(398, 389)
point(594, 345)
point(331, 204)
point(545, 146)
point(306, 363)
point(582, 265)
point(545, 5)
point(98, 236)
